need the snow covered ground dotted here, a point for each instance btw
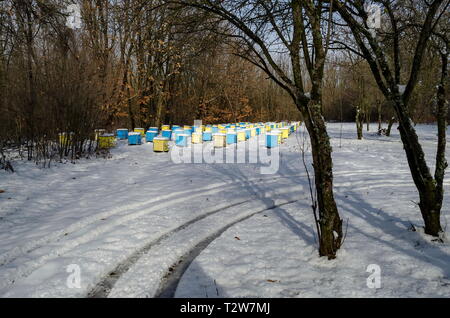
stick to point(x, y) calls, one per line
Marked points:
point(140, 225)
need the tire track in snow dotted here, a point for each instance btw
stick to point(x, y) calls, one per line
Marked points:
point(170, 282)
point(9, 276)
point(157, 272)
point(103, 288)
point(11, 255)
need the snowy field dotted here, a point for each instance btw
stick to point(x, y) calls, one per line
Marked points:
point(139, 225)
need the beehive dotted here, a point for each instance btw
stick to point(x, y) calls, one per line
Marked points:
point(176, 132)
point(106, 141)
point(197, 138)
point(271, 140)
point(181, 140)
point(134, 138)
point(219, 140)
point(207, 136)
point(278, 133)
point(150, 135)
point(140, 130)
point(122, 133)
point(160, 144)
point(241, 135)
point(166, 133)
point(231, 138)
point(284, 132)
point(165, 127)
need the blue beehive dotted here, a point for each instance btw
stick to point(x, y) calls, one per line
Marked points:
point(231, 138)
point(248, 133)
point(258, 131)
point(150, 135)
point(215, 130)
point(153, 129)
point(134, 138)
point(188, 132)
point(271, 140)
point(207, 136)
point(181, 140)
point(122, 134)
point(167, 134)
point(177, 132)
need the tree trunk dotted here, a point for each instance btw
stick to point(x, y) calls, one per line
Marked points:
point(379, 117)
point(368, 119)
point(390, 123)
point(329, 219)
point(430, 202)
point(359, 123)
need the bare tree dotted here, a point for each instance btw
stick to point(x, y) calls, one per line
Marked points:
point(267, 30)
point(420, 17)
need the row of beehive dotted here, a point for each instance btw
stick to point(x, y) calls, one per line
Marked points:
point(221, 135)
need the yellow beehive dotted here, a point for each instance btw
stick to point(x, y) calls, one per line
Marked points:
point(208, 129)
point(241, 135)
point(219, 140)
point(284, 132)
point(268, 129)
point(262, 130)
point(223, 130)
point(106, 141)
point(221, 126)
point(160, 144)
point(165, 127)
point(140, 130)
point(197, 138)
point(187, 127)
point(252, 132)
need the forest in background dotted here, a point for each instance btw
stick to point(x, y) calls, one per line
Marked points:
point(136, 63)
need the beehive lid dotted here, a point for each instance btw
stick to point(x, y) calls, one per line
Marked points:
point(160, 138)
point(134, 134)
point(219, 134)
point(122, 129)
